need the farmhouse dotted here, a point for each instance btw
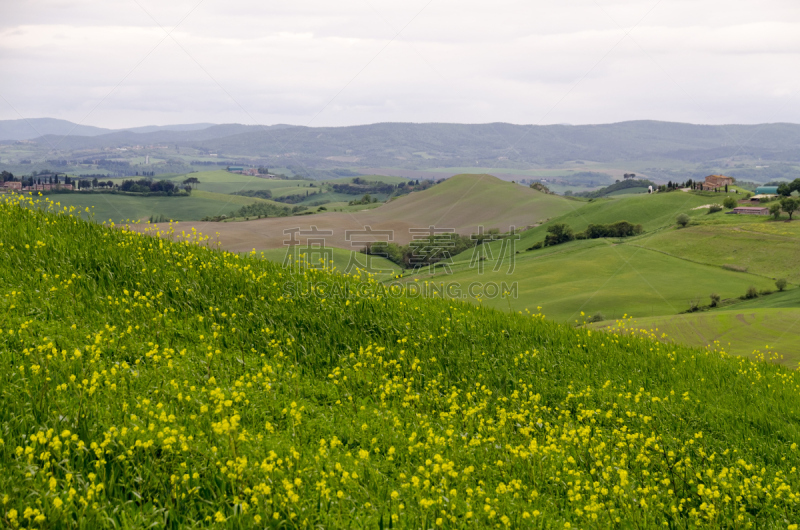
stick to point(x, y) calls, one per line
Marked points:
point(751, 210)
point(13, 185)
point(716, 181)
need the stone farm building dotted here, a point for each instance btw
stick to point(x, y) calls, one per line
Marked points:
point(713, 182)
point(17, 186)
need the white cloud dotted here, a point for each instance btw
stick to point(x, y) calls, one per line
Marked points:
point(323, 63)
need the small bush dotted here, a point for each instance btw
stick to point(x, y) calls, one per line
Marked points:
point(597, 317)
point(751, 293)
point(536, 246)
point(694, 305)
point(715, 298)
point(729, 203)
point(780, 283)
point(714, 208)
point(682, 220)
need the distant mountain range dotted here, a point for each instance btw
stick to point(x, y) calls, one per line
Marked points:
point(432, 145)
point(29, 129)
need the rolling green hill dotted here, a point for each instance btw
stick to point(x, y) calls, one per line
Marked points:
point(652, 211)
point(760, 246)
point(790, 298)
point(772, 333)
point(660, 272)
point(469, 200)
point(150, 383)
point(596, 276)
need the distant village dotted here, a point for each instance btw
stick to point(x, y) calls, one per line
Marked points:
point(43, 182)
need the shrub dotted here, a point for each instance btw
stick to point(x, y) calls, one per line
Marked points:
point(538, 186)
point(729, 203)
point(780, 283)
point(715, 298)
point(694, 305)
point(597, 317)
point(682, 220)
point(557, 234)
point(775, 210)
point(751, 293)
point(536, 246)
point(714, 208)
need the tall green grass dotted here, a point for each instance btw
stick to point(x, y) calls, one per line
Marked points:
point(147, 383)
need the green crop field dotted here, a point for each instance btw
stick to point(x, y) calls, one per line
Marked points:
point(770, 333)
point(151, 383)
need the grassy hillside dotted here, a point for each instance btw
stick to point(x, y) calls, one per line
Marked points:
point(148, 383)
point(652, 211)
point(766, 248)
point(789, 298)
point(594, 276)
point(770, 332)
point(657, 273)
point(119, 208)
point(469, 200)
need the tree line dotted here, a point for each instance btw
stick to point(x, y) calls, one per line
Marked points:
point(559, 233)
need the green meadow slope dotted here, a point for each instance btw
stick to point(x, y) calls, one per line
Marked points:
point(150, 383)
point(763, 247)
point(464, 201)
point(773, 333)
point(661, 272)
point(652, 211)
point(594, 276)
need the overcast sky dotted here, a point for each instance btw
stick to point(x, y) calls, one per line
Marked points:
point(123, 63)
